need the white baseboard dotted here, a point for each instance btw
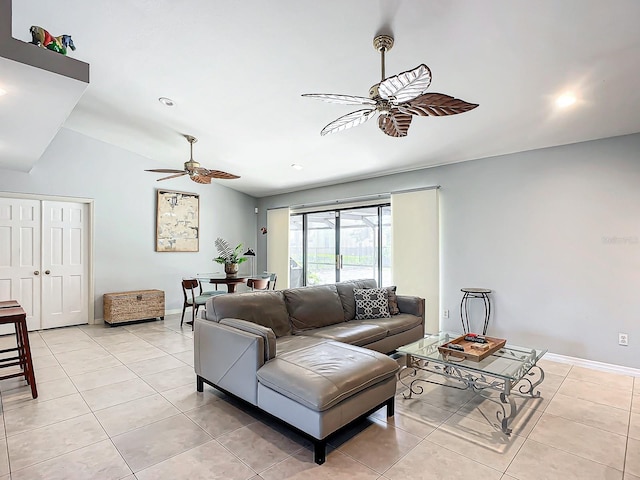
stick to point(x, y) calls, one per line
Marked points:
point(581, 362)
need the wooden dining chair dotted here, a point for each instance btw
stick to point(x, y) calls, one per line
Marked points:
point(272, 277)
point(192, 298)
point(272, 281)
point(258, 283)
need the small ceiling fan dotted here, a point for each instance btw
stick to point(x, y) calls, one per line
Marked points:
point(192, 168)
point(396, 98)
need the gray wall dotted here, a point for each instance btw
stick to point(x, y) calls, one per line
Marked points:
point(124, 196)
point(553, 232)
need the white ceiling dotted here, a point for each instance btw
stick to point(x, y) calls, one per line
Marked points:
point(236, 70)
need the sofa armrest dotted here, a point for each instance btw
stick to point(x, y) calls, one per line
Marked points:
point(208, 307)
point(412, 305)
point(265, 332)
point(228, 357)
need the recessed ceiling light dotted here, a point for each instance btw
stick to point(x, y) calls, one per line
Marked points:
point(2, 92)
point(296, 166)
point(166, 101)
point(565, 100)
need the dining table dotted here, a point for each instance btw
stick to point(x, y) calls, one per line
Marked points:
point(231, 281)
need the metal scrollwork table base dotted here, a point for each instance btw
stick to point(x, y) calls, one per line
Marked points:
point(501, 371)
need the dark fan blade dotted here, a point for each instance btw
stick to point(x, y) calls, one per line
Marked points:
point(200, 179)
point(204, 172)
point(182, 172)
point(343, 99)
point(349, 120)
point(406, 85)
point(395, 124)
point(436, 104)
point(164, 170)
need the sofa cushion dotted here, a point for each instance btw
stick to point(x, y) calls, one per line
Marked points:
point(313, 307)
point(359, 334)
point(289, 343)
point(394, 324)
point(345, 291)
point(264, 308)
point(371, 303)
point(320, 376)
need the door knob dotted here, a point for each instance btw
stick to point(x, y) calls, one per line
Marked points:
point(36, 272)
point(47, 272)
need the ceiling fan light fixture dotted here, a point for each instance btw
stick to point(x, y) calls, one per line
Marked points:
point(192, 168)
point(396, 99)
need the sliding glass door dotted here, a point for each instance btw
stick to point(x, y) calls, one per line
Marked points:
point(338, 245)
point(359, 244)
point(321, 248)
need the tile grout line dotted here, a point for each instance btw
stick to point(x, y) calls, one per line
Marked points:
point(58, 456)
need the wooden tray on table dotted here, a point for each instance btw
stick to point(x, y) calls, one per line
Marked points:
point(472, 350)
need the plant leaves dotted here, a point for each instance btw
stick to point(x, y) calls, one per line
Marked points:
point(224, 249)
point(226, 254)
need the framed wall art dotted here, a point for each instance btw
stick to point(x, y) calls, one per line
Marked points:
point(177, 221)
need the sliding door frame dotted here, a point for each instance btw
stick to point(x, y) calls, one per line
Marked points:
point(337, 214)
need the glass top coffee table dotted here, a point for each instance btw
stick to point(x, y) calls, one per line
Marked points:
point(500, 371)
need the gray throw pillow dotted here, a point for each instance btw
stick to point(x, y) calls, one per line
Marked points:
point(371, 303)
point(393, 300)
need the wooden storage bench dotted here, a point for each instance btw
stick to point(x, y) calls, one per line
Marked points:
point(123, 307)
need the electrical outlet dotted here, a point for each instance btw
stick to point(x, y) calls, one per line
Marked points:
point(623, 339)
point(445, 314)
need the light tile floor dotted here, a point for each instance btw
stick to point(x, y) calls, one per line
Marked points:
point(120, 403)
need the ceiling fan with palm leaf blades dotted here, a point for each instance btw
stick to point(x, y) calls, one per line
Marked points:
point(395, 98)
point(192, 168)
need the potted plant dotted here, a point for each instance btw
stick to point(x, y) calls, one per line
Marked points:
point(230, 257)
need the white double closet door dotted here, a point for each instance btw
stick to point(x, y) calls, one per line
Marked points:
point(44, 262)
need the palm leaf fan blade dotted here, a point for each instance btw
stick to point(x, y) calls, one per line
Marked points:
point(172, 176)
point(396, 124)
point(201, 179)
point(436, 105)
point(406, 85)
point(349, 120)
point(221, 174)
point(205, 172)
point(341, 99)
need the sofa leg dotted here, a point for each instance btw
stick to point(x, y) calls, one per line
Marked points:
point(200, 384)
point(319, 451)
point(391, 406)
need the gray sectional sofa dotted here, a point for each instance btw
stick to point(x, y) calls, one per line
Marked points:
point(301, 356)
